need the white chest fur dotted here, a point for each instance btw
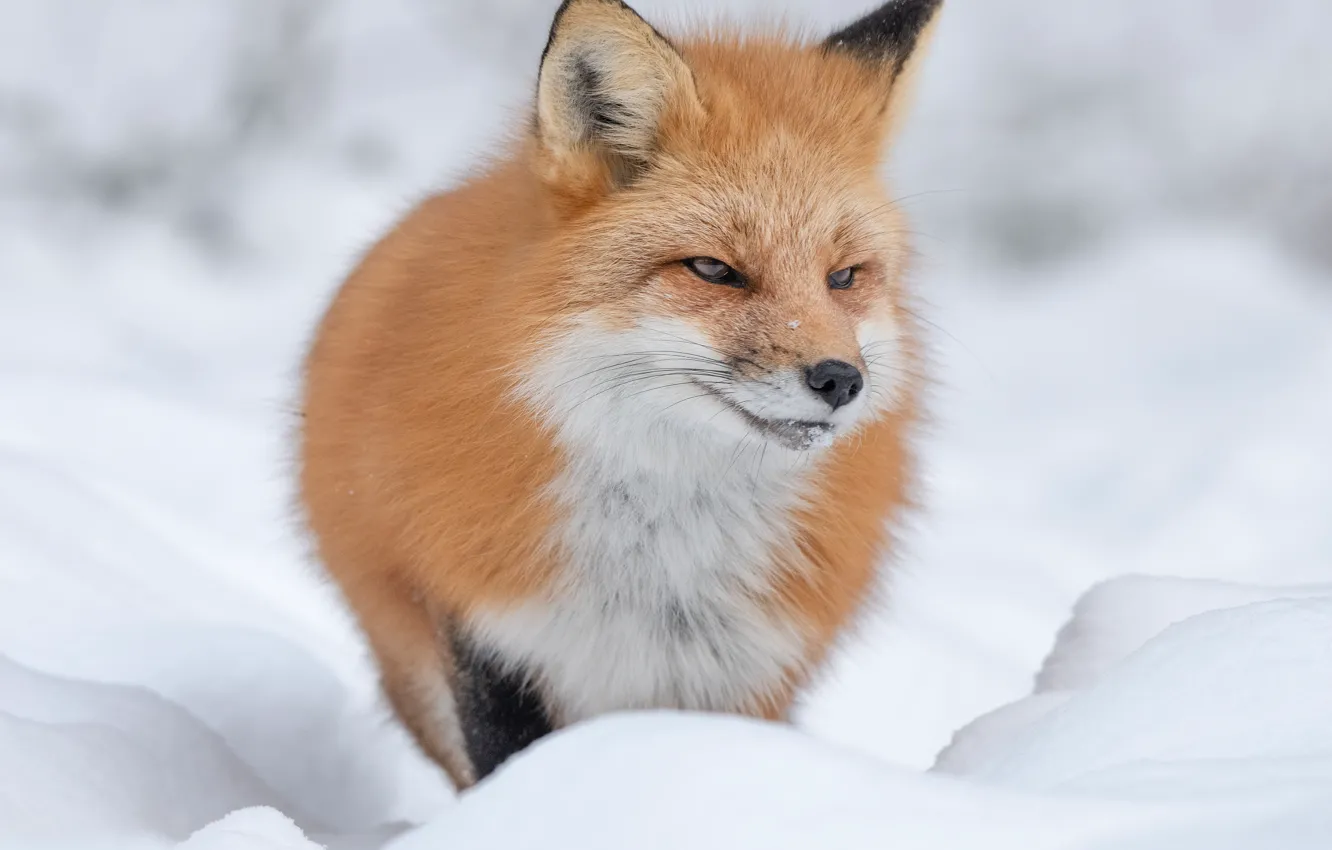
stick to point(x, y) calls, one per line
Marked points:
point(658, 605)
point(668, 540)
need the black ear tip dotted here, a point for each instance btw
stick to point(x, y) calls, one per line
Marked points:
point(888, 33)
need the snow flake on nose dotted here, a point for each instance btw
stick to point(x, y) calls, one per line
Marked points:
point(793, 324)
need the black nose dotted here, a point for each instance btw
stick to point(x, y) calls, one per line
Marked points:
point(836, 381)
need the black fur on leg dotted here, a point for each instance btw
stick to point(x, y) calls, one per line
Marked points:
point(500, 713)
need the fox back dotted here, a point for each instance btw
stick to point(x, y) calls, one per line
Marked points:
point(621, 421)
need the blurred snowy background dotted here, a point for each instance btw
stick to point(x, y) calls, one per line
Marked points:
point(1124, 214)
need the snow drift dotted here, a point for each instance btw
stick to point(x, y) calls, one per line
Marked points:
point(1211, 733)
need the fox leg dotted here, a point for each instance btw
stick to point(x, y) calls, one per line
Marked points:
point(416, 669)
point(499, 711)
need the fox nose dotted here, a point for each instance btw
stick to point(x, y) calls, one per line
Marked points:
point(836, 381)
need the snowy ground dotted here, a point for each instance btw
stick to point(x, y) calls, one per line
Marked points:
point(1110, 625)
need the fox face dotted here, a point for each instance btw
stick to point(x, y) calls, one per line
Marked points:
point(729, 259)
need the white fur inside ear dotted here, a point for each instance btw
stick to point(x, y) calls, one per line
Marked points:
point(606, 79)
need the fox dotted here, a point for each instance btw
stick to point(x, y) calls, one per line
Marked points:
point(622, 421)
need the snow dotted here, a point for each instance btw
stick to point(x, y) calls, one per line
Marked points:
point(1174, 747)
point(259, 828)
point(1107, 627)
point(1207, 687)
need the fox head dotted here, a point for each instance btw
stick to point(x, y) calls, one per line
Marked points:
point(723, 256)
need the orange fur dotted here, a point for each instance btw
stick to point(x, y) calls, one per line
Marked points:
point(425, 476)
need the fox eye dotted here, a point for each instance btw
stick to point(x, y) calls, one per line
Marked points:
point(714, 271)
point(842, 278)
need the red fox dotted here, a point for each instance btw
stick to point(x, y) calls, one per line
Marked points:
point(621, 422)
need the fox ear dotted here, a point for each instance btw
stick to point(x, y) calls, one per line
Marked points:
point(888, 36)
point(607, 78)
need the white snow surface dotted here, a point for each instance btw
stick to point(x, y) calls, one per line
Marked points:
point(1110, 623)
